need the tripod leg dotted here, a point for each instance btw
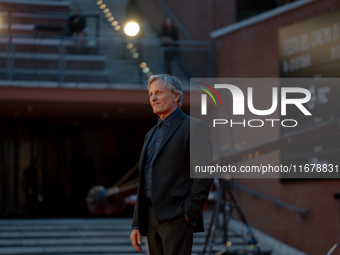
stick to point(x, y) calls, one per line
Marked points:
point(243, 218)
point(337, 226)
point(206, 243)
point(335, 246)
point(213, 224)
point(225, 226)
point(216, 219)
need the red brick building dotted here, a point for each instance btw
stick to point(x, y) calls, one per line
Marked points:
point(250, 48)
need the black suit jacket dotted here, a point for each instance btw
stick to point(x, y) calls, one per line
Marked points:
point(173, 191)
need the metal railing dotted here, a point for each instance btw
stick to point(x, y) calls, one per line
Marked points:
point(7, 17)
point(64, 64)
point(303, 213)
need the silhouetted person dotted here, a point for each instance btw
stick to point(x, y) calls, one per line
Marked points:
point(82, 178)
point(169, 37)
point(75, 28)
point(30, 184)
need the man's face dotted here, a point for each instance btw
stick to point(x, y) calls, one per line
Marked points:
point(162, 100)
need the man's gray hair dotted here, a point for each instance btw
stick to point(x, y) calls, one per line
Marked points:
point(172, 83)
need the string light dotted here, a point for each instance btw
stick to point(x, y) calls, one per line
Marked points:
point(131, 29)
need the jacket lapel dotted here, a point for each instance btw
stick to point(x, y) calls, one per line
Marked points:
point(172, 128)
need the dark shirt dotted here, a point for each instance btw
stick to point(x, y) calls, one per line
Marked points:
point(153, 147)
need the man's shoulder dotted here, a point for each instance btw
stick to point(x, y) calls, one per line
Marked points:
point(193, 122)
point(187, 120)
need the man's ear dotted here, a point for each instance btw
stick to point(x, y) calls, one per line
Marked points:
point(176, 97)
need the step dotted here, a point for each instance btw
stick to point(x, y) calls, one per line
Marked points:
point(47, 56)
point(36, 6)
point(53, 75)
point(29, 48)
point(74, 233)
point(75, 85)
point(17, 28)
point(104, 249)
point(88, 241)
point(39, 19)
point(71, 249)
point(46, 41)
point(56, 72)
point(59, 221)
point(29, 28)
point(41, 66)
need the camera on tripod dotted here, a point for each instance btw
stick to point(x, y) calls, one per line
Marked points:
point(226, 201)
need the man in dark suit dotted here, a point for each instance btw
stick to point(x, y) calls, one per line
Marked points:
point(169, 203)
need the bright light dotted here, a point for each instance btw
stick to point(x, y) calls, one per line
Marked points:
point(107, 15)
point(111, 19)
point(129, 46)
point(103, 6)
point(114, 23)
point(146, 70)
point(142, 65)
point(106, 10)
point(117, 28)
point(131, 29)
point(135, 55)
point(99, 2)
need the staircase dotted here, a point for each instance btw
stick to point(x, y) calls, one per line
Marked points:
point(28, 54)
point(126, 69)
point(88, 236)
point(32, 56)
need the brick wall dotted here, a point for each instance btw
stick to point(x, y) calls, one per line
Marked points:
point(314, 235)
point(253, 52)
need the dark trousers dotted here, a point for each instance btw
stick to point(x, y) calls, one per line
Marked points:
point(170, 238)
